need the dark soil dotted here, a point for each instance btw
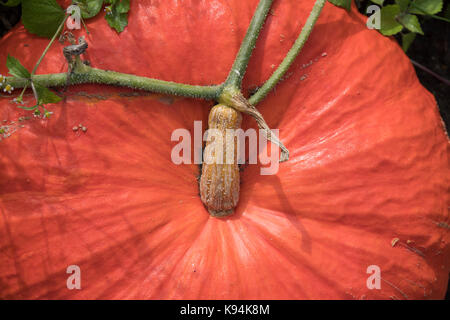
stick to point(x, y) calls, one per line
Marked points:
point(430, 51)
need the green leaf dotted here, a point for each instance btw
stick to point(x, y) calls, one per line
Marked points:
point(42, 17)
point(411, 22)
point(45, 95)
point(389, 25)
point(403, 4)
point(342, 3)
point(118, 17)
point(11, 3)
point(89, 8)
point(378, 2)
point(16, 68)
point(28, 108)
point(123, 6)
point(407, 40)
point(426, 6)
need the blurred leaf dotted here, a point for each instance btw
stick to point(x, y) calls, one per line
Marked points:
point(16, 68)
point(42, 17)
point(411, 22)
point(389, 25)
point(123, 6)
point(342, 3)
point(407, 40)
point(403, 4)
point(426, 6)
point(89, 8)
point(118, 17)
point(378, 2)
point(45, 95)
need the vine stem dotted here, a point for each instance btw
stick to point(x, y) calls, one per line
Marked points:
point(49, 45)
point(434, 74)
point(85, 74)
point(239, 67)
point(291, 55)
point(439, 18)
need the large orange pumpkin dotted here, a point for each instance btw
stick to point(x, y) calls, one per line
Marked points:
point(366, 183)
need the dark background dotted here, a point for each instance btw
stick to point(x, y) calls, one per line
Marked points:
point(430, 51)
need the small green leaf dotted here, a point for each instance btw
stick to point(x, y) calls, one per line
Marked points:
point(378, 2)
point(411, 22)
point(403, 4)
point(89, 8)
point(407, 40)
point(42, 17)
point(28, 108)
point(426, 6)
point(16, 68)
point(118, 16)
point(389, 25)
point(342, 3)
point(11, 3)
point(45, 95)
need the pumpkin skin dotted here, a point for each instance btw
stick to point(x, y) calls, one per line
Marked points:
point(368, 163)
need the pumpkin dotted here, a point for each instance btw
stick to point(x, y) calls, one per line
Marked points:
point(365, 185)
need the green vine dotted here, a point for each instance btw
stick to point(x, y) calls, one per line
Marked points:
point(84, 74)
point(291, 55)
point(229, 92)
point(245, 51)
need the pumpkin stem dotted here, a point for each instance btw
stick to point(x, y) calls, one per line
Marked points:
point(219, 181)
